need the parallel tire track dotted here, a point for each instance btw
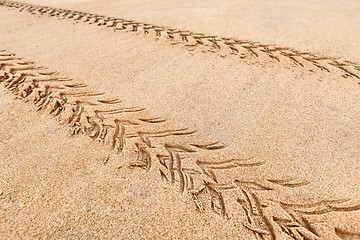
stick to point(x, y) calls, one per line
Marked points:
point(125, 128)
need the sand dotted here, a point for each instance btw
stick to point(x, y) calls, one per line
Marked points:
point(258, 139)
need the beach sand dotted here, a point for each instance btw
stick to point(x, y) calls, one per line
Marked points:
point(246, 125)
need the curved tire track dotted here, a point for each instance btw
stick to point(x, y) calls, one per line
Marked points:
point(202, 41)
point(123, 128)
point(71, 102)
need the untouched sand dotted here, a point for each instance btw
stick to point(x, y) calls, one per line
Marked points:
point(202, 142)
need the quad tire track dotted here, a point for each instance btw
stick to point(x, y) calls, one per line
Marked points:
point(123, 128)
point(203, 42)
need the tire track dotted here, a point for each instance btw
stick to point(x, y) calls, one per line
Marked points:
point(126, 129)
point(203, 42)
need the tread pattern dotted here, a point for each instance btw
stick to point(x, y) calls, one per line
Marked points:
point(204, 42)
point(155, 142)
point(126, 128)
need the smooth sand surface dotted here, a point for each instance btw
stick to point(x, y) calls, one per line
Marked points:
point(286, 135)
